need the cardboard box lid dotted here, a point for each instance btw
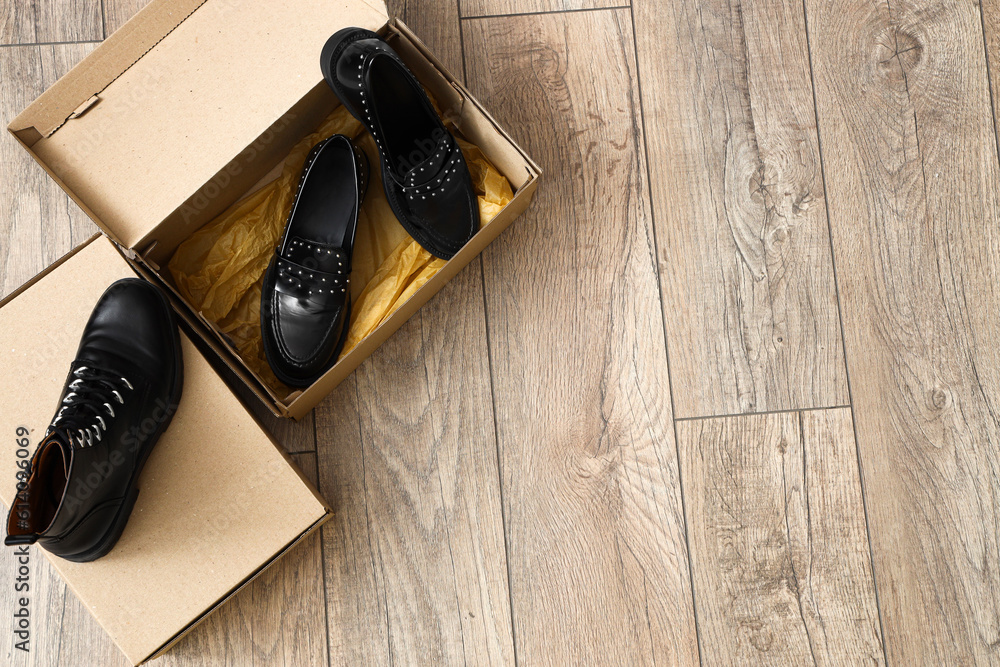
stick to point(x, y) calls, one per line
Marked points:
point(164, 104)
point(217, 498)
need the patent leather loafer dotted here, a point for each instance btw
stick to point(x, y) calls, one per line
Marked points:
point(424, 174)
point(122, 391)
point(305, 302)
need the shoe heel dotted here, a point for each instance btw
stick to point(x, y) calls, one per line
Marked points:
point(330, 54)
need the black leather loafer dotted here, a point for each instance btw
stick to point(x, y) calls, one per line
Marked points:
point(305, 302)
point(120, 395)
point(424, 173)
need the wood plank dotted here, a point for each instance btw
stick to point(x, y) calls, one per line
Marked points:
point(46, 21)
point(118, 12)
point(483, 8)
point(737, 189)
point(40, 222)
point(277, 620)
point(357, 615)
point(436, 24)
point(779, 549)
point(912, 177)
point(595, 530)
point(415, 561)
point(990, 10)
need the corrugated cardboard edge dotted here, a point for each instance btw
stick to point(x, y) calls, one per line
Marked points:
point(105, 64)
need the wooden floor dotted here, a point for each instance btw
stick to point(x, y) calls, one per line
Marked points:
point(729, 392)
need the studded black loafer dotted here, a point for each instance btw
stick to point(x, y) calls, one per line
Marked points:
point(424, 173)
point(121, 394)
point(305, 302)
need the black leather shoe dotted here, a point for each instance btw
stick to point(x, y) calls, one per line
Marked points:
point(424, 174)
point(120, 395)
point(305, 302)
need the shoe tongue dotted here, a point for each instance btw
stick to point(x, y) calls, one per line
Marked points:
point(423, 172)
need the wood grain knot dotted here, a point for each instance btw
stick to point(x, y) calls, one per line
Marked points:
point(779, 236)
point(940, 398)
point(759, 635)
point(898, 52)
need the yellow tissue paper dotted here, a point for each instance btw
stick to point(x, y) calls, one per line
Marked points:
point(220, 268)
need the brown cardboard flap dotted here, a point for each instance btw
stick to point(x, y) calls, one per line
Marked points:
point(217, 499)
point(201, 94)
point(101, 67)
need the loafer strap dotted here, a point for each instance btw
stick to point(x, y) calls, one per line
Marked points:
point(303, 282)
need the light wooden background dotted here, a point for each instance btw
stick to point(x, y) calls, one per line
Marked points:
point(729, 392)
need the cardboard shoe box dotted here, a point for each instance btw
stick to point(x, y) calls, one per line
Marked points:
point(171, 120)
point(218, 500)
point(193, 104)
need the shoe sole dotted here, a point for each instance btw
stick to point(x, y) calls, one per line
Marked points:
point(111, 537)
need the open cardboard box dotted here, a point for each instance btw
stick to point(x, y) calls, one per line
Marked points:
point(219, 501)
point(181, 113)
point(172, 120)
